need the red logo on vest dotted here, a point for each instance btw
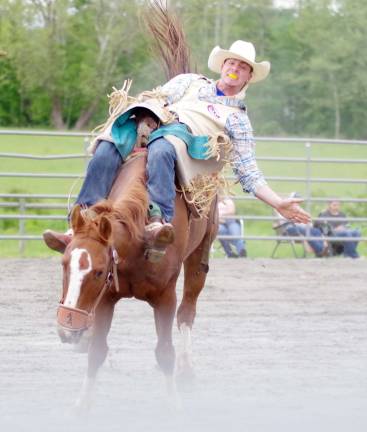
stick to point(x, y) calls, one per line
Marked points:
point(213, 111)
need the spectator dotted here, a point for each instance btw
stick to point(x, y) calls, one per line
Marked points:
point(336, 225)
point(319, 247)
point(233, 248)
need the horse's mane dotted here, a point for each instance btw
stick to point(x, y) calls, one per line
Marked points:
point(130, 210)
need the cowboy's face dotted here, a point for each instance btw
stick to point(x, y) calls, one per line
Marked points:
point(236, 73)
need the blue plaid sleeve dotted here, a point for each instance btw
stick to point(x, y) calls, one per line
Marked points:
point(243, 161)
point(175, 88)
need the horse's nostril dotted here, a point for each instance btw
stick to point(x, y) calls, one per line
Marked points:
point(70, 337)
point(75, 336)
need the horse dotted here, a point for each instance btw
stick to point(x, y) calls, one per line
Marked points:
point(107, 261)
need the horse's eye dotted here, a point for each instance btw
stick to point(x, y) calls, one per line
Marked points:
point(98, 274)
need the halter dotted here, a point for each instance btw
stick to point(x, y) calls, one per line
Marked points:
point(76, 320)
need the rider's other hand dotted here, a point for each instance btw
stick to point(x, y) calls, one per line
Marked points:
point(291, 210)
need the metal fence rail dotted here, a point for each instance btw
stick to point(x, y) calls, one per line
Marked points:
point(20, 202)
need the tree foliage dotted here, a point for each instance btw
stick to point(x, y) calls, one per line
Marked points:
point(64, 56)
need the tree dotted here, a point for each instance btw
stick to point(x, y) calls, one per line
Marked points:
point(326, 84)
point(64, 57)
point(68, 52)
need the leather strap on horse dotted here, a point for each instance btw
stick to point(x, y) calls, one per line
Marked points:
point(111, 277)
point(115, 260)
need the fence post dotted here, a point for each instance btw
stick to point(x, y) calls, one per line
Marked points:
point(308, 182)
point(86, 145)
point(22, 209)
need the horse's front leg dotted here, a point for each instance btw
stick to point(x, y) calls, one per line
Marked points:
point(194, 280)
point(97, 352)
point(164, 313)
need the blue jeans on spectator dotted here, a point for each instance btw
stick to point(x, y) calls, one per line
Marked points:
point(106, 162)
point(232, 227)
point(300, 230)
point(349, 247)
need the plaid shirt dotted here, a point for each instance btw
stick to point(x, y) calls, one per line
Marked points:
point(237, 127)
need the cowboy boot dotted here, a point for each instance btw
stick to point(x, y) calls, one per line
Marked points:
point(158, 235)
point(57, 241)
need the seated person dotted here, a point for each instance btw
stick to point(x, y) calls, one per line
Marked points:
point(233, 248)
point(339, 228)
point(319, 247)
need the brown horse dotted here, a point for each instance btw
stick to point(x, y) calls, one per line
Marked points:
point(106, 261)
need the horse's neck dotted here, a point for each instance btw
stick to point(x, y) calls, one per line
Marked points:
point(130, 196)
point(132, 171)
point(120, 238)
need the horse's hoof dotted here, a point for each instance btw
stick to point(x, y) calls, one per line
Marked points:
point(80, 409)
point(81, 347)
point(185, 378)
point(174, 404)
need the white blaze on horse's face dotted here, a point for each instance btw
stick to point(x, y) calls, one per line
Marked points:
point(80, 266)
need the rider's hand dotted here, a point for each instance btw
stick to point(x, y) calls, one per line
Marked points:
point(291, 210)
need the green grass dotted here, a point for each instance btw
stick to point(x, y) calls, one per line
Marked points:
point(318, 170)
point(40, 146)
point(69, 145)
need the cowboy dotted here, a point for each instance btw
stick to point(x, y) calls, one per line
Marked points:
point(201, 107)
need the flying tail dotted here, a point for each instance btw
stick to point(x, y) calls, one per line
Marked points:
point(169, 41)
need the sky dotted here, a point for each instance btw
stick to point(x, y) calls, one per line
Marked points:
point(284, 3)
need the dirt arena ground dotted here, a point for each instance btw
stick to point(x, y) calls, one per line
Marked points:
point(279, 345)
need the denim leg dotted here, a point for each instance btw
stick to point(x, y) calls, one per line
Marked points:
point(101, 172)
point(223, 230)
point(161, 176)
point(350, 247)
point(316, 245)
point(355, 233)
point(234, 229)
point(293, 231)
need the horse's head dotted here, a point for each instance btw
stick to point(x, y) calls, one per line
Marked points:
point(87, 275)
point(89, 260)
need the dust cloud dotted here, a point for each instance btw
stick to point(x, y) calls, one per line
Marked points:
point(278, 345)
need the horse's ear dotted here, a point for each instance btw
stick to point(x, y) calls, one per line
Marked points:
point(105, 228)
point(76, 218)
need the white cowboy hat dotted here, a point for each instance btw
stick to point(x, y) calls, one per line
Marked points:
point(240, 50)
